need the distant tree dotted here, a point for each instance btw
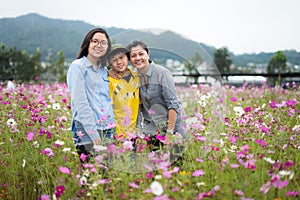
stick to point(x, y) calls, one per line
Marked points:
point(19, 64)
point(55, 67)
point(222, 60)
point(197, 59)
point(193, 66)
point(277, 65)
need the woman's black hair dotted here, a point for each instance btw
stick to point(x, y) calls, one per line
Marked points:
point(84, 49)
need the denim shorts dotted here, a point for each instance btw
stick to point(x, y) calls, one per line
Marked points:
point(106, 134)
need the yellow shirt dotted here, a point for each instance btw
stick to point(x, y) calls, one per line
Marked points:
point(125, 101)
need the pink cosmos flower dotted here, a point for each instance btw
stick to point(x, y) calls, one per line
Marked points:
point(111, 125)
point(103, 181)
point(291, 103)
point(59, 191)
point(128, 145)
point(149, 175)
point(265, 188)
point(239, 192)
point(62, 119)
point(291, 194)
point(126, 121)
point(64, 100)
point(248, 109)
point(167, 174)
point(261, 142)
point(128, 110)
point(30, 136)
point(200, 138)
point(48, 152)
point(234, 165)
point(198, 173)
point(151, 112)
point(160, 137)
point(232, 139)
point(133, 185)
point(103, 118)
point(199, 160)
point(44, 197)
point(83, 157)
point(64, 170)
point(162, 197)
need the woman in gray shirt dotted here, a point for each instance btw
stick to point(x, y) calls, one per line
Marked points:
point(160, 108)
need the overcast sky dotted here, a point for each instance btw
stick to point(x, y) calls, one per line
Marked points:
point(243, 26)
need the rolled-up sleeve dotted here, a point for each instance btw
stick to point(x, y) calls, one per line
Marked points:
point(169, 91)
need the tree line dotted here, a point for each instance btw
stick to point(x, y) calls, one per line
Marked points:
point(26, 67)
point(276, 65)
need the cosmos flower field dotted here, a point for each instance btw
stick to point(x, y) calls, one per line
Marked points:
point(244, 143)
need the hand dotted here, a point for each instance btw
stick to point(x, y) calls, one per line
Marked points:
point(113, 74)
point(167, 131)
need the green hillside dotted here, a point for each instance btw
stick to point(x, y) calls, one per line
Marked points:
point(31, 31)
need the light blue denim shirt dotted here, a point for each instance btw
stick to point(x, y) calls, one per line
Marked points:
point(158, 94)
point(90, 100)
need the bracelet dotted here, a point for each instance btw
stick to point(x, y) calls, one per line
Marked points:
point(170, 131)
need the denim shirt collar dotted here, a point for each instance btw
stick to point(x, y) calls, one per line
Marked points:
point(87, 63)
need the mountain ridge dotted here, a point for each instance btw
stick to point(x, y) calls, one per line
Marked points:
point(27, 32)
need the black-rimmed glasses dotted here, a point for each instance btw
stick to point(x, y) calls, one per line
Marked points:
point(102, 43)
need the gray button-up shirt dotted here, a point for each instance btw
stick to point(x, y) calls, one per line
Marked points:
point(158, 95)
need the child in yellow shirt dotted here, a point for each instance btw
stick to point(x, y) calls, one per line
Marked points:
point(124, 86)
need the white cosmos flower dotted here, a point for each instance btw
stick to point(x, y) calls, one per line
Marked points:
point(100, 148)
point(296, 127)
point(202, 103)
point(287, 173)
point(58, 142)
point(56, 106)
point(157, 177)
point(66, 149)
point(200, 183)
point(191, 121)
point(36, 144)
point(238, 110)
point(24, 163)
point(269, 160)
point(284, 173)
point(83, 180)
point(156, 188)
point(11, 122)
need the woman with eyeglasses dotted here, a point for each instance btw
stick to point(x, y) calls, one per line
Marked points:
point(87, 79)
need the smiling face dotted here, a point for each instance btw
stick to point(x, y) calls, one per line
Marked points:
point(119, 62)
point(139, 58)
point(97, 47)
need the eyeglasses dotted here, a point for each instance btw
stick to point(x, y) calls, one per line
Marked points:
point(102, 43)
